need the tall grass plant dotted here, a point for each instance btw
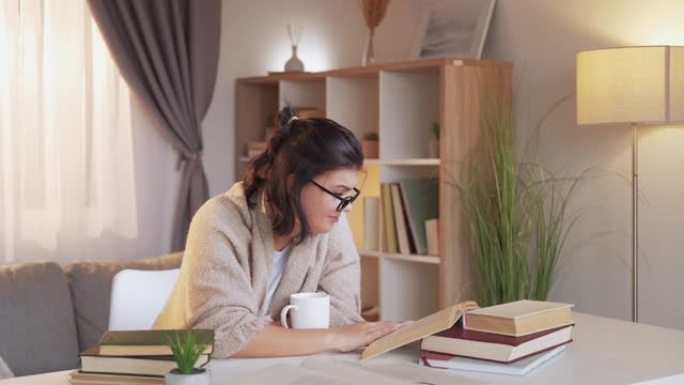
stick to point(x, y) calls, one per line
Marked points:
point(517, 212)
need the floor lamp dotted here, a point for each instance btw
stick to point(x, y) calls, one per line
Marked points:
point(635, 86)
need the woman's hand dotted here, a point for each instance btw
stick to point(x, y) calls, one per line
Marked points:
point(358, 335)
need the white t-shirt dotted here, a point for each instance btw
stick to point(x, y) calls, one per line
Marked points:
point(279, 262)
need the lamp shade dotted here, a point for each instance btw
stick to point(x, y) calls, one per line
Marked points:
point(630, 85)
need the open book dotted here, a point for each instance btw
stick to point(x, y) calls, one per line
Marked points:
point(332, 371)
point(424, 327)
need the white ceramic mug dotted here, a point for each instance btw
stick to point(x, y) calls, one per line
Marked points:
point(309, 311)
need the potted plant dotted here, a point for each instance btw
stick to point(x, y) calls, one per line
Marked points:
point(369, 145)
point(187, 349)
point(517, 215)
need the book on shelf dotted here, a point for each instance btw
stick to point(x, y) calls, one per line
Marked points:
point(494, 347)
point(403, 231)
point(255, 148)
point(80, 378)
point(146, 342)
point(434, 323)
point(93, 362)
point(421, 201)
point(519, 318)
point(371, 225)
point(520, 367)
point(389, 229)
point(432, 236)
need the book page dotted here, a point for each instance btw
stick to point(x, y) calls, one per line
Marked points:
point(396, 373)
point(426, 326)
point(519, 309)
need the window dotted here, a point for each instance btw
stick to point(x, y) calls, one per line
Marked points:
point(66, 157)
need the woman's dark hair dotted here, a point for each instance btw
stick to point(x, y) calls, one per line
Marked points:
point(300, 150)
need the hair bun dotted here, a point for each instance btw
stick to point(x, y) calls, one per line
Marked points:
point(285, 115)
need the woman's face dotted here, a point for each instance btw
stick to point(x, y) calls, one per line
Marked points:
point(320, 207)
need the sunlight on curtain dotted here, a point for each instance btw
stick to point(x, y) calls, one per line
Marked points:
point(66, 159)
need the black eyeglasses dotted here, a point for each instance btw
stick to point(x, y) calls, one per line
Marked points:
point(344, 201)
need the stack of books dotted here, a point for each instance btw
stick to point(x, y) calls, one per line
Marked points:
point(512, 338)
point(135, 357)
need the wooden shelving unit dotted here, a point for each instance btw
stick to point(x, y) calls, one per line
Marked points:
point(399, 101)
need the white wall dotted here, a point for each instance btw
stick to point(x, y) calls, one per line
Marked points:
point(541, 37)
point(254, 41)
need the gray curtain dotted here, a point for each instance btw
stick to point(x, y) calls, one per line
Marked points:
point(167, 51)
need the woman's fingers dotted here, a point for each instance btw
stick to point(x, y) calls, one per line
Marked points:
point(379, 329)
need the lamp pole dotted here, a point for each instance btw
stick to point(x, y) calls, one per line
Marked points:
point(635, 224)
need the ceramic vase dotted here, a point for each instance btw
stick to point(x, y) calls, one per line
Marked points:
point(294, 64)
point(369, 52)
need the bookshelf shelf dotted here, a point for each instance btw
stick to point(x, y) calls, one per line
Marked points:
point(398, 101)
point(384, 162)
point(403, 162)
point(402, 257)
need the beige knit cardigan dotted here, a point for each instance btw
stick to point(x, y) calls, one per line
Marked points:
point(228, 260)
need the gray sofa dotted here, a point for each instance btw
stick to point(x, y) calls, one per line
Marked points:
point(48, 314)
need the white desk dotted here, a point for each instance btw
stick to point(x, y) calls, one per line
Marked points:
point(605, 351)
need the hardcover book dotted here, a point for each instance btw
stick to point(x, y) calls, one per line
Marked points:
point(92, 362)
point(494, 347)
point(404, 237)
point(520, 367)
point(80, 378)
point(146, 342)
point(519, 318)
point(390, 230)
point(421, 199)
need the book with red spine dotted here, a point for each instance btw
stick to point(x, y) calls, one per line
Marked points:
point(458, 341)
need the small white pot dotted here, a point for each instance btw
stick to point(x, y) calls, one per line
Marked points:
point(197, 377)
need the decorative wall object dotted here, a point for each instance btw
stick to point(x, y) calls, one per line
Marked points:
point(453, 28)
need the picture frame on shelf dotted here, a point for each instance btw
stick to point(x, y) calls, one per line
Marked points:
point(452, 28)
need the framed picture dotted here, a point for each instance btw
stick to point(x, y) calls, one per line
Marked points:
point(452, 28)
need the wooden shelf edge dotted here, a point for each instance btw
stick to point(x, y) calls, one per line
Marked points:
point(403, 162)
point(407, 65)
point(386, 162)
point(431, 259)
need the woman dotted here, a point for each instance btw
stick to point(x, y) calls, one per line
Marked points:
point(280, 231)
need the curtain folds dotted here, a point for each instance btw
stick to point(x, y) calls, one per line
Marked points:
point(67, 187)
point(167, 50)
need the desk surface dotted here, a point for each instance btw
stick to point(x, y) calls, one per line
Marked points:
point(605, 351)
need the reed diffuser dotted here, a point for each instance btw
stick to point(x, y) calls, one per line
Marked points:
point(373, 13)
point(294, 64)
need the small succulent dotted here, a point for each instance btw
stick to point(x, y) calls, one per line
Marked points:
point(370, 136)
point(186, 348)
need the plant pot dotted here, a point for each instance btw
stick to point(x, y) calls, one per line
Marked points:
point(369, 148)
point(197, 377)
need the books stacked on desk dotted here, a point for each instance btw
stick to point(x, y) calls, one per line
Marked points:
point(135, 357)
point(511, 338)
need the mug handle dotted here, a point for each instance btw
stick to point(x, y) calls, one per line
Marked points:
point(283, 315)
